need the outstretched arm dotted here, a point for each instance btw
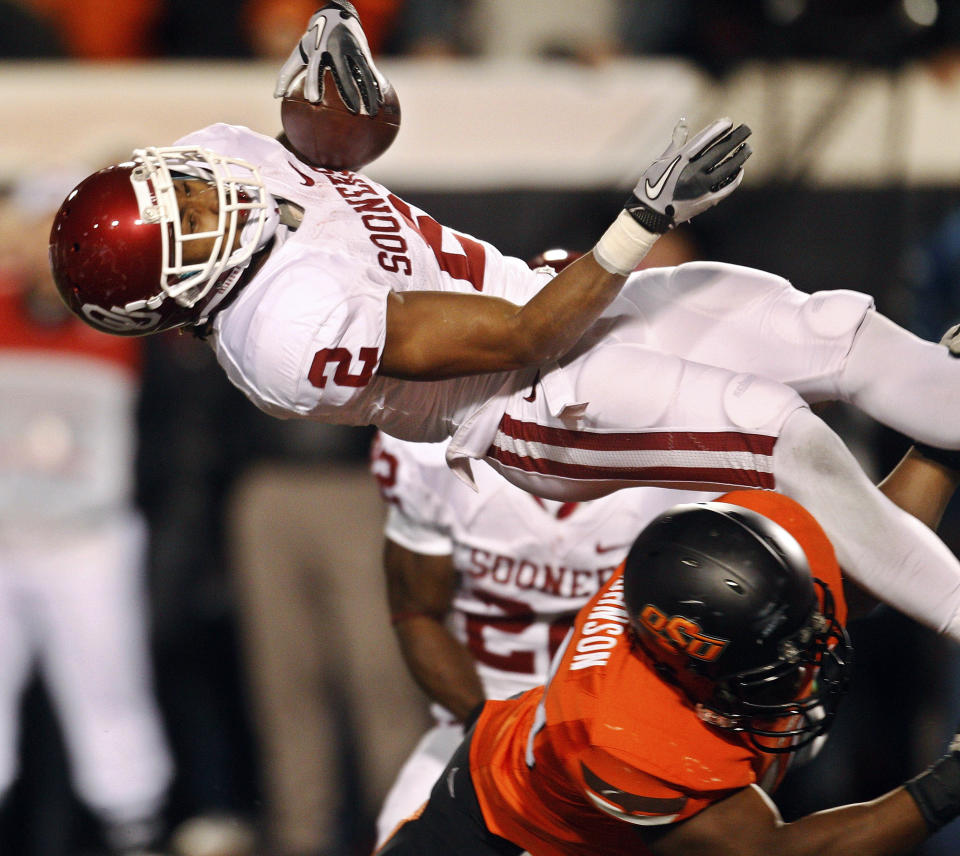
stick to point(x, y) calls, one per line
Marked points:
point(420, 592)
point(921, 486)
point(434, 335)
point(748, 824)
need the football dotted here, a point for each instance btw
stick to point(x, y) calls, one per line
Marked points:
point(327, 134)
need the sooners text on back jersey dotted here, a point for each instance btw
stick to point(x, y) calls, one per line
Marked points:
point(524, 566)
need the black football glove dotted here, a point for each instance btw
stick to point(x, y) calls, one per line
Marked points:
point(937, 790)
point(334, 39)
point(690, 176)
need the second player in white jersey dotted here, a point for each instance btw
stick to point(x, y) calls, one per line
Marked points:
point(515, 570)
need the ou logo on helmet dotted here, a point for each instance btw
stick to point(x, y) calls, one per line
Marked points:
point(682, 634)
point(117, 320)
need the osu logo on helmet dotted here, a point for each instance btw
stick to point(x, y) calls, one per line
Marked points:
point(682, 634)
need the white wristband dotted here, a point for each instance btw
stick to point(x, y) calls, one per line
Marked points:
point(622, 247)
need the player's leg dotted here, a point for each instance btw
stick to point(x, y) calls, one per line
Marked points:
point(307, 554)
point(905, 382)
point(746, 320)
point(637, 416)
point(285, 624)
point(451, 821)
point(885, 550)
point(411, 789)
point(831, 345)
point(96, 664)
point(389, 712)
point(625, 414)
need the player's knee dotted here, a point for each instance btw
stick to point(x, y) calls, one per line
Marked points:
point(835, 314)
point(808, 451)
point(759, 404)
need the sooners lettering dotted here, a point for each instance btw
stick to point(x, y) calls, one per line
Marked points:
point(378, 218)
point(526, 574)
point(343, 359)
point(385, 230)
point(682, 634)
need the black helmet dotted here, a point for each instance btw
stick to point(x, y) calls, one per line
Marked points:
point(722, 598)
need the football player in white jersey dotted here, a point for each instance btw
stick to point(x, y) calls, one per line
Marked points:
point(327, 297)
point(484, 585)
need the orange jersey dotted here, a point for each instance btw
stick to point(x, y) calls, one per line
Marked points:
point(574, 767)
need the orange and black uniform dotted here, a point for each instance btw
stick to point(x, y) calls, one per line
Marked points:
point(608, 744)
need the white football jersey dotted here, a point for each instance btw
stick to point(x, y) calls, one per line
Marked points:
point(525, 565)
point(661, 366)
point(304, 338)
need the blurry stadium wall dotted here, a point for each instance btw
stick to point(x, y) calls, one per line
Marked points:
point(488, 124)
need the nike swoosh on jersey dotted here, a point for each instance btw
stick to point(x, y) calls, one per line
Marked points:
point(631, 803)
point(307, 180)
point(609, 548)
point(654, 190)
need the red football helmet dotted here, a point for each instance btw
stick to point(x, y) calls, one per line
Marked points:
point(116, 246)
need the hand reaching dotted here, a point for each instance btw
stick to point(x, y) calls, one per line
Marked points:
point(690, 176)
point(334, 39)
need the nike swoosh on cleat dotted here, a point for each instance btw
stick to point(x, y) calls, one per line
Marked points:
point(654, 190)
